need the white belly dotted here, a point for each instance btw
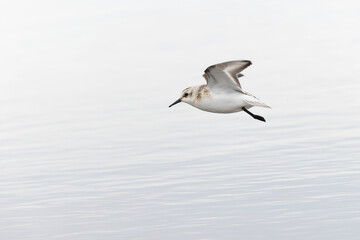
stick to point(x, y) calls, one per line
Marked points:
point(222, 103)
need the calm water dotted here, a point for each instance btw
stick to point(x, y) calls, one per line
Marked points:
point(90, 150)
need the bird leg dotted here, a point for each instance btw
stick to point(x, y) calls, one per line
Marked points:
point(253, 115)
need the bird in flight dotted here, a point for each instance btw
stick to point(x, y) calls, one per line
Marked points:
point(223, 92)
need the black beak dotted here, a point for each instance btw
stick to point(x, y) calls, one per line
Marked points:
point(176, 102)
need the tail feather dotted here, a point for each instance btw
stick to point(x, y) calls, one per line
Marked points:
point(257, 103)
point(254, 101)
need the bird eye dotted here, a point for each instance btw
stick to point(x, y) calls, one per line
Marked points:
point(186, 94)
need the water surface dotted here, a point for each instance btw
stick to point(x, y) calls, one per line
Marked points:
point(90, 150)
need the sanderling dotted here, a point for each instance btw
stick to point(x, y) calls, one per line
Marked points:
point(223, 92)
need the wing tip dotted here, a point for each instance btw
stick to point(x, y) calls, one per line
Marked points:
point(247, 61)
point(246, 64)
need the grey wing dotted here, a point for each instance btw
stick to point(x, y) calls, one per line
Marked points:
point(226, 74)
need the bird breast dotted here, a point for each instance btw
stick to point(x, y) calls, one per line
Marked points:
point(217, 102)
point(201, 93)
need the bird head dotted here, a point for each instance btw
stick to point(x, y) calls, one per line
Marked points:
point(186, 96)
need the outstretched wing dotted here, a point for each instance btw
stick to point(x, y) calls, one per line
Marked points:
point(226, 74)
